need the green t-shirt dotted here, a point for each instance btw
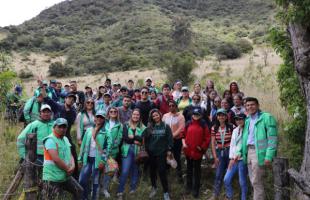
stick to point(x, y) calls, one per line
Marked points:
point(51, 172)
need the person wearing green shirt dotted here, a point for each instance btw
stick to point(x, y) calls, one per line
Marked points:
point(90, 158)
point(158, 144)
point(259, 145)
point(32, 108)
point(42, 127)
point(114, 130)
point(59, 164)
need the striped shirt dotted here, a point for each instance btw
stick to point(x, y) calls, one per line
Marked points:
point(222, 133)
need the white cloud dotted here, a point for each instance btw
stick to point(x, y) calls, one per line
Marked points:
point(15, 12)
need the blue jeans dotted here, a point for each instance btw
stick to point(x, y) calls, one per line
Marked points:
point(241, 168)
point(88, 170)
point(220, 170)
point(129, 166)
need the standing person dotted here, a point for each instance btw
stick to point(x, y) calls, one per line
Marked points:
point(42, 127)
point(234, 89)
point(89, 93)
point(259, 144)
point(176, 122)
point(59, 164)
point(90, 155)
point(195, 141)
point(162, 100)
point(230, 113)
point(32, 108)
point(133, 133)
point(184, 100)
point(207, 104)
point(137, 95)
point(124, 112)
point(99, 97)
point(104, 104)
point(227, 95)
point(79, 95)
point(85, 119)
point(130, 85)
point(221, 134)
point(159, 144)
point(52, 89)
point(188, 111)
point(209, 87)
point(119, 101)
point(177, 90)
point(114, 130)
point(153, 95)
point(145, 105)
point(197, 90)
point(238, 108)
point(107, 85)
point(215, 107)
point(236, 165)
point(68, 112)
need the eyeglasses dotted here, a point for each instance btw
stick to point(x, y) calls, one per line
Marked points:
point(90, 102)
point(113, 111)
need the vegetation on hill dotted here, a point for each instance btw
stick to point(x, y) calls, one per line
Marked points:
point(102, 35)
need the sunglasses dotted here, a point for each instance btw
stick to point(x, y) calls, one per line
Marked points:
point(90, 102)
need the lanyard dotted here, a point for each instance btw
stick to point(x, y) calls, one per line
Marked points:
point(222, 134)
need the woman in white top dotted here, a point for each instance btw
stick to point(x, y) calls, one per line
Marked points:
point(234, 164)
point(85, 119)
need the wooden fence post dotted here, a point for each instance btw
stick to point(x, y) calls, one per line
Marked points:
point(30, 180)
point(281, 179)
point(15, 183)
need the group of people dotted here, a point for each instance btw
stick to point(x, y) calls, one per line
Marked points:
point(122, 123)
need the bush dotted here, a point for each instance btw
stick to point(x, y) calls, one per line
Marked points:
point(59, 70)
point(244, 45)
point(228, 51)
point(25, 73)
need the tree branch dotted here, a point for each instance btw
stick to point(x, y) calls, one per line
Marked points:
point(300, 181)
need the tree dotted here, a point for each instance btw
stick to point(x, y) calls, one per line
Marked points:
point(296, 14)
point(178, 67)
point(181, 33)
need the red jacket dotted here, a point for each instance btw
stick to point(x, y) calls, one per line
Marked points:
point(162, 103)
point(196, 135)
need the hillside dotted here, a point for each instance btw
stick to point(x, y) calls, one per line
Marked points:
point(104, 35)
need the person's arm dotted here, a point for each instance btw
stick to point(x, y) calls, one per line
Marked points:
point(60, 163)
point(27, 110)
point(181, 126)
point(206, 139)
point(125, 136)
point(169, 138)
point(272, 137)
point(21, 140)
point(78, 129)
point(56, 107)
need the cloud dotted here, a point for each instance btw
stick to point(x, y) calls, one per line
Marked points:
point(15, 12)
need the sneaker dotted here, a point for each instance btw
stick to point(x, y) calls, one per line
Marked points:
point(166, 196)
point(153, 192)
point(106, 194)
point(119, 196)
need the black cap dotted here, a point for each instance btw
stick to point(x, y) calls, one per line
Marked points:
point(123, 88)
point(240, 116)
point(70, 94)
point(197, 111)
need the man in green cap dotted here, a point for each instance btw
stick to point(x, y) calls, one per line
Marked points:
point(59, 164)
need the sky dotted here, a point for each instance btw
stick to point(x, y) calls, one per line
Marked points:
point(15, 12)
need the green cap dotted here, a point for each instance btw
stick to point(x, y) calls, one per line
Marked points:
point(60, 121)
point(221, 111)
point(101, 113)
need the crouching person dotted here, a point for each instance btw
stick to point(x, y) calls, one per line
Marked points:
point(90, 155)
point(59, 164)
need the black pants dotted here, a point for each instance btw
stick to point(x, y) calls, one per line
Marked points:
point(53, 190)
point(177, 148)
point(159, 164)
point(193, 174)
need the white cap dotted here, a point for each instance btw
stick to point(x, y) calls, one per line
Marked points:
point(148, 78)
point(45, 106)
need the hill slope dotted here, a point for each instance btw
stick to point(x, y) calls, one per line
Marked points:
point(105, 35)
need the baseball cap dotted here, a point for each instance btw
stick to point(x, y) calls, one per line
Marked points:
point(45, 106)
point(184, 88)
point(44, 82)
point(53, 81)
point(148, 78)
point(115, 84)
point(69, 94)
point(107, 94)
point(123, 88)
point(240, 116)
point(60, 121)
point(101, 113)
point(221, 111)
point(197, 111)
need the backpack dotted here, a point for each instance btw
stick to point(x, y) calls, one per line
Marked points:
point(21, 116)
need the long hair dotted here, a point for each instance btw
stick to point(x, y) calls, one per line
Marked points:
point(108, 113)
point(228, 126)
point(139, 124)
point(151, 122)
point(84, 108)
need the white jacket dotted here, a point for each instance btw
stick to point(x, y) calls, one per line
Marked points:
point(236, 139)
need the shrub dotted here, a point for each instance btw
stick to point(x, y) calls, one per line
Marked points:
point(227, 51)
point(244, 45)
point(59, 70)
point(25, 73)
